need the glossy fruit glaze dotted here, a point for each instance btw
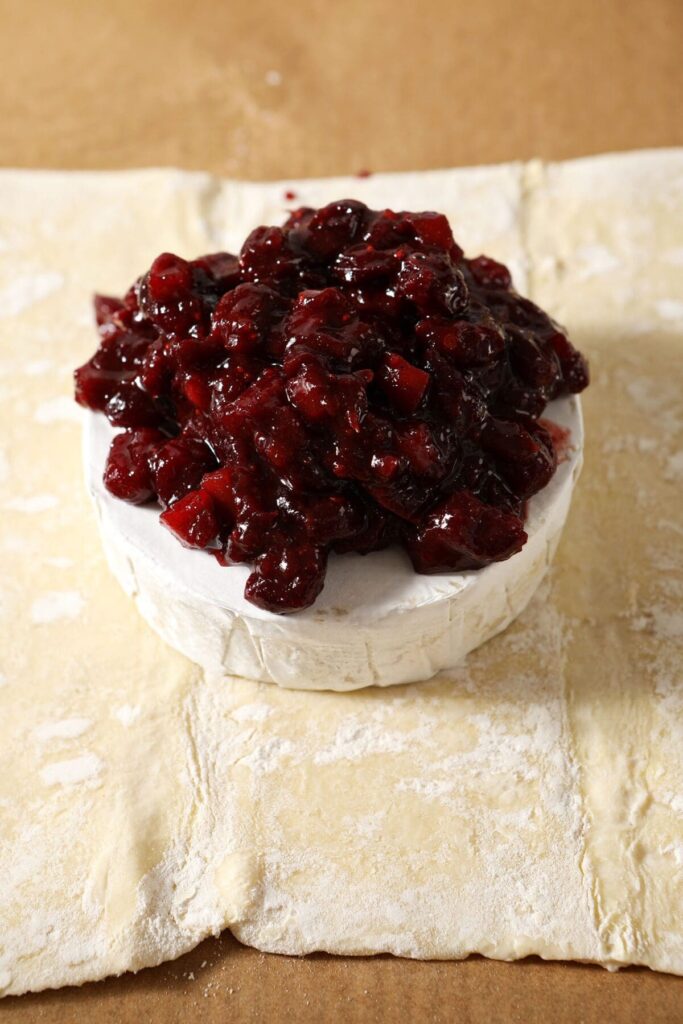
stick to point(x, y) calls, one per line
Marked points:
point(347, 382)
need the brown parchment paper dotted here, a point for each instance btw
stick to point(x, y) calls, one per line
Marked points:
point(272, 90)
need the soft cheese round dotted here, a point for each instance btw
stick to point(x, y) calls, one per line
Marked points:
point(376, 623)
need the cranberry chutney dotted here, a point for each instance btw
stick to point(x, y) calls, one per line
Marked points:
point(349, 382)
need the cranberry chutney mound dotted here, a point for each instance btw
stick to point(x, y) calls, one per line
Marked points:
point(351, 381)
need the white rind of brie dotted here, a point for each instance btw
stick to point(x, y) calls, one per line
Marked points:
point(376, 623)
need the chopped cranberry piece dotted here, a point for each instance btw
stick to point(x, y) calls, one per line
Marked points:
point(167, 297)
point(267, 258)
point(326, 323)
point(288, 577)
point(432, 284)
point(156, 372)
point(465, 343)
point(362, 263)
point(464, 533)
point(313, 393)
point(455, 400)
point(245, 317)
point(178, 467)
point(323, 520)
point(533, 363)
point(386, 467)
point(526, 458)
point(94, 386)
point(489, 274)
point(381, 530)
point(229, 381)
point(418, 446)
point(402, 383)
point(128, 472)
point(250, 537)
point(574, 366)
point(433, 229)
point(223, 486)
point(193, 520)
point(130, 406)
point(349, 381)
point(105, 307)
point(222, 271)
point(197, 388)
point(334, 227)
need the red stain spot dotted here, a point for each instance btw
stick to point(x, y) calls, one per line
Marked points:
point(290, 194)
point(561, 438)
point(363, 173)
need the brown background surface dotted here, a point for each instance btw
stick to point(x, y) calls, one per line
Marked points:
point(260, 89)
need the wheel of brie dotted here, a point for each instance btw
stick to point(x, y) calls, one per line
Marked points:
point(343, 429)
point(377, 622)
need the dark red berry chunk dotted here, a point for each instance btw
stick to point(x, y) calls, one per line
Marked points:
point(402, 383)
point(289, 576)
point(464, 533)
point(128, 471)
point(193, 520)
point(349, 381)
point(178, 467)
